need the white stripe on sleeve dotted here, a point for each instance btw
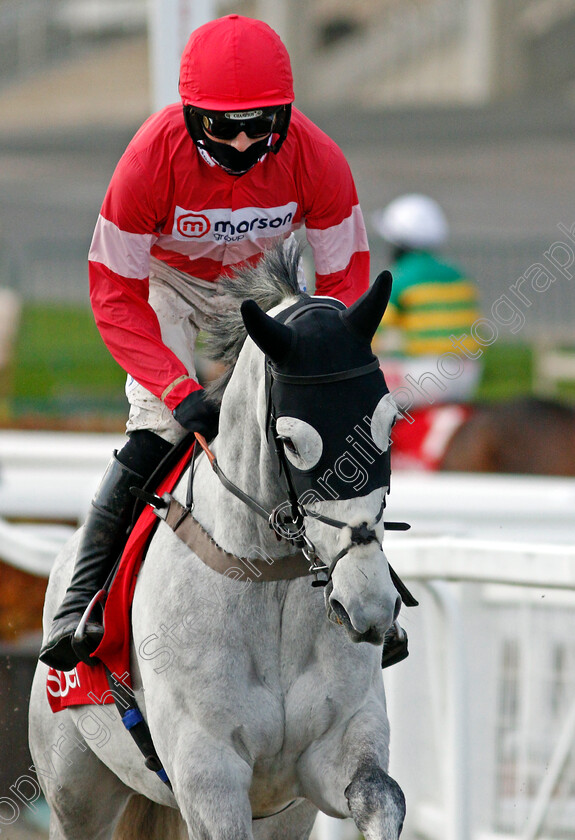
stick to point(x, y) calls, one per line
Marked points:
point(334, 247)
point(124, 253)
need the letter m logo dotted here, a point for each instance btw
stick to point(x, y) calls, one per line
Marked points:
point(192, 225)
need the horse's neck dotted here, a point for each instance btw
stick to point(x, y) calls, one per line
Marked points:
point(230, 521)
point(243, 455)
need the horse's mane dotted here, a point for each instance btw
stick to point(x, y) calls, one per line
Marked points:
point(273, 279)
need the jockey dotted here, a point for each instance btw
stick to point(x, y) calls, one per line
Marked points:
point(425, 339)
point(205, 186)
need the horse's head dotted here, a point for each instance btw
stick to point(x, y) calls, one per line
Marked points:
point(328, 419)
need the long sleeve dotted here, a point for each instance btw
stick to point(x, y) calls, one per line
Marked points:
point(119, 263)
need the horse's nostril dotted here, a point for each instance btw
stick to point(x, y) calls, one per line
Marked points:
point(397, 608)
point(339, 611)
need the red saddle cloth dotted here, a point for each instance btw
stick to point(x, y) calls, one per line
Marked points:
point(89, 685)
point(421, 443)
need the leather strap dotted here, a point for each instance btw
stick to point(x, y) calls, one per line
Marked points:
point(260, 569)
point(322, 379)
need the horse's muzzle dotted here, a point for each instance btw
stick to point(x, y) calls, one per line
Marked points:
point(374, 634)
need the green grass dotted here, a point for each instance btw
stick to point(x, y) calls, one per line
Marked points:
point(61, 366)
point(509, 372)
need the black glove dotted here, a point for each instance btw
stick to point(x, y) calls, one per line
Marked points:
point(196, 414)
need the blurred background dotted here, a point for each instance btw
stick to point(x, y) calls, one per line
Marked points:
point(469, 101)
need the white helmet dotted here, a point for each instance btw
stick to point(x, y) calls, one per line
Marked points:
point(412, 221)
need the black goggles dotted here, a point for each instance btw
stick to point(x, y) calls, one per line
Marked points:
point(225, 125)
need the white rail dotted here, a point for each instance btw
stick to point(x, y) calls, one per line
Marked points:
point(46, 478)
point(516, 564)
point(53, 475)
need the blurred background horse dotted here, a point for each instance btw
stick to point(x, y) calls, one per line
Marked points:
point(524, 435)
point(527, 435)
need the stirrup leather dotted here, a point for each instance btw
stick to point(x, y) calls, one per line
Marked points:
point(82, 644)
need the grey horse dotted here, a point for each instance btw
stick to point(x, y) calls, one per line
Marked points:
point(264, 698)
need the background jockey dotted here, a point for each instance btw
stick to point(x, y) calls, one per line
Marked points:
point(431, 312)
point(204, 186)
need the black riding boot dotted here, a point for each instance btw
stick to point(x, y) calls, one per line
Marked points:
point(102, 540)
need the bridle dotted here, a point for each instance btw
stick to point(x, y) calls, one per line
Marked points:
point(291, 526)
point(287, 519)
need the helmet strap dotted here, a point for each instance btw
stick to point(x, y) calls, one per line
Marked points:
point(281, 127)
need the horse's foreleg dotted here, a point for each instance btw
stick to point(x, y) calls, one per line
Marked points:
point(345, 775)
point(211, 784)
point(376, 802)
point(86, 799)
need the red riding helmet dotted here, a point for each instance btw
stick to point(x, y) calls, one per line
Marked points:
point(231, 66)
point(235, 63)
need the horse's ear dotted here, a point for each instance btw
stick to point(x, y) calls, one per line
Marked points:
point(273, 338)
point(363, 316)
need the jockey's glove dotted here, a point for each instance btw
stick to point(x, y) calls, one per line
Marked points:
point(197, 414)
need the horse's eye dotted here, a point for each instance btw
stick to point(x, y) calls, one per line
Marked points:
point(302, 443)
point(290, 445)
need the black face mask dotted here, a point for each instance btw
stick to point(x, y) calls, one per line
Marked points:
point(232, 160)
point(351, 463)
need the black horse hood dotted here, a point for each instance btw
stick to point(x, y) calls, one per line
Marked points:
point(328, 402)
